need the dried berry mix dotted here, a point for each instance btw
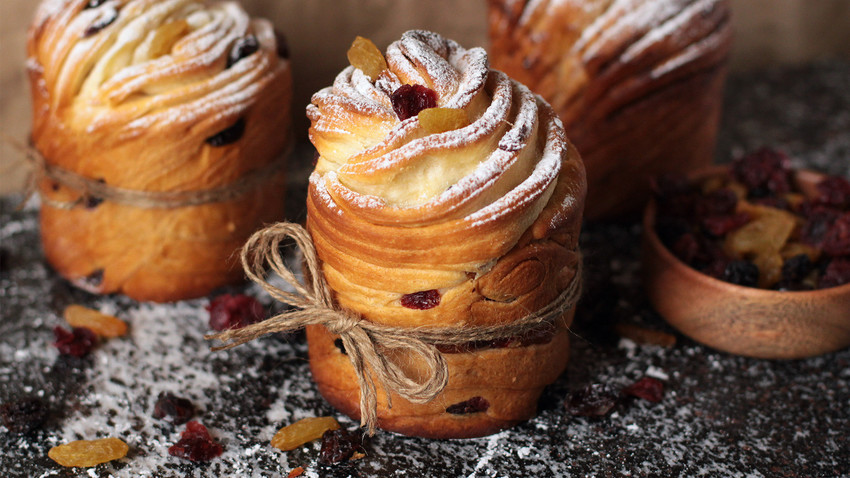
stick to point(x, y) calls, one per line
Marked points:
point(77, 342)
point(409, 100)
point(422, 300)
point(173, 408)
point(234, 311)
point(647, 388)
point(24, 415)
point(595, 400)
point(751, 227)
point(339, 445)
point(473, 405)
point(196, 444)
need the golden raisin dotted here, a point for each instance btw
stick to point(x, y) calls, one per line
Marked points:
point(101, 324)
point(765, 234)
point(365, 56)
point(296, 472)
point(86, 453)
point(439, 120)
point(305, 430)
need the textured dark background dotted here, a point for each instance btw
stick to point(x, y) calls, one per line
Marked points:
point(721, 415)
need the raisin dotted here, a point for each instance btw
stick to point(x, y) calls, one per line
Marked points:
point(78, 342)
point(99, 25)
point(595, 400)
point(173, 408)
point(88, 453)
point(295, 472)
point(796, 268)
point(234, 311)
point(647, 388)
point(836, 273)
point(229, 135)
point(24, 415)
point(422, 300)
point(366, 57)
point(440, 120)
point(834, 191)
point(836, 241)
point(409, 100)
point(102, 325)
point(242, 48)
point(338, 445)
point(743, 273)
point(195, 444)
point(303, 431)
point(473, 405)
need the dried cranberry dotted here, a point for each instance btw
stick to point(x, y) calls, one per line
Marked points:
point(595, 400)
point(764, 172)
point(473, 405)
point(409, 100)
point(836, 273)
point(743, 273)
point(338, 445)
point(195, 444)
point(426, 299)
point(647, 388)
point(231, 134)
point(100, 24)
point(836, 241)
point(172, 408)
point(234, 312)
point(77, 342)
point(834, 191)
point(719, 226)
point(244, 47)
point(24, 415)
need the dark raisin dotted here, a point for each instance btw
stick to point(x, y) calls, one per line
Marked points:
point(234, 311)
point(338, 445)
point(426, 299)
point(101, 24)
point(195, 444)
point(596, 400)
point(836, 241)
point(473, 405)
point(834, 191)
point(340, 346)
point(647, 388)
point(282, 45)
point(172, 408)
point(836, 273)
point(229, 135)
point(244, 47)
point(409, 100)
point(94, 3)
point(24, 415)
point(796, 268)
point(77, 342)
point(719, 226)
point(743, 273)
point(764, 172)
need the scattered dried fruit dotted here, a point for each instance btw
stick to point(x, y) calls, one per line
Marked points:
point(366, 57)
point(409, 100)
point(172, 408)
point(196, 444)
point(24, 415)
point(339, 445)
point(303, 431)
point(86, 453)
point(473, 405)
point(234, 311)
point(439, 120)
point(647, 388)
point(106, 326)
point(78, 342)
point(595, 400)
point(422, 300)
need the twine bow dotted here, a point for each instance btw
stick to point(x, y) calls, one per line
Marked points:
point(365, 341)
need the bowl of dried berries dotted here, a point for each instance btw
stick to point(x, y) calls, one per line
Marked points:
point(752, 258)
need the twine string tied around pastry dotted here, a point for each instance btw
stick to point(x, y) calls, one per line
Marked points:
point(366, 342)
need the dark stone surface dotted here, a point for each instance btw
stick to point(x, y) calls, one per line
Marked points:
point(721, 415)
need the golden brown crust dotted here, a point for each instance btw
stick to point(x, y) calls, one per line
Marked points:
point(637, 83)
point(133, 104)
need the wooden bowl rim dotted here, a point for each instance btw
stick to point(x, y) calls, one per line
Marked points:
point(681, 268)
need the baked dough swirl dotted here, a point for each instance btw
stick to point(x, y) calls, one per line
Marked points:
point(483, 220)
point(156, 96)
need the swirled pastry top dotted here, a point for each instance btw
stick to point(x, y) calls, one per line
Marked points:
point(114, 71)
point(396, 209)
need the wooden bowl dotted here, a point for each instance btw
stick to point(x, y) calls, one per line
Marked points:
point(743, 320)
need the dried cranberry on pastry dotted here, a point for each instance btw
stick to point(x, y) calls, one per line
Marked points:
point(638, 83)
point(445, 194)
point(180, 108)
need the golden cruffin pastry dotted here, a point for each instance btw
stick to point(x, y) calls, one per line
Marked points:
point(638, 83)
point(476, 225)
point(180, 110)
